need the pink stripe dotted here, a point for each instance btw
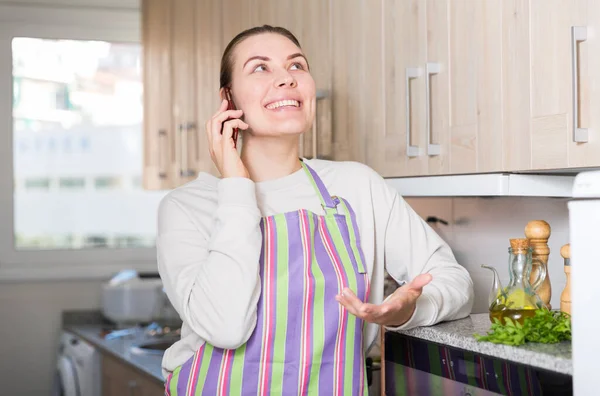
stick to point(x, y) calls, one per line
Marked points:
point(168, 385)
point(225, 372)
point(304, 373)
point(194, 372)
point(266, 341)
point(342, 312)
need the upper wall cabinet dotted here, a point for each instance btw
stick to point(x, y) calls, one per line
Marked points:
point(181, 61)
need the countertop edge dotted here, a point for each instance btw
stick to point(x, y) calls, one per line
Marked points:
point(76, 330)
point(515, 354)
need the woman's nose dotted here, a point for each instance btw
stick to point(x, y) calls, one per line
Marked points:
point(286, 80)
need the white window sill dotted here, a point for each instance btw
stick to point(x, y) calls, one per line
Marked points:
point(84, 271)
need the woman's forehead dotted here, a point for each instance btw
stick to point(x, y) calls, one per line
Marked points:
point(271, 45)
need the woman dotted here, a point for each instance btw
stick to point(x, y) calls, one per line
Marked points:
point(277, 268)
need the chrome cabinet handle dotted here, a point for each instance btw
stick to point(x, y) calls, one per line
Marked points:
point(162, 145)
point(185, 171)
point(411, 73)
point(432, 68)
point(132, 384)
point(578, 33)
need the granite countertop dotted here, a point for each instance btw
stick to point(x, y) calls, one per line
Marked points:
point(459, 334)
point(121, 348)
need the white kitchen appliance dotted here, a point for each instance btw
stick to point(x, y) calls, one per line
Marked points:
point(77, 369)
point(584, 227)
point(131, 298)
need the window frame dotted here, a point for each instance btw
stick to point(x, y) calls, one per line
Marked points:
point(46, 22)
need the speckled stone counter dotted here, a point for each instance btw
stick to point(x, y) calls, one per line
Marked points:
point(123, 348)
point(459, 334)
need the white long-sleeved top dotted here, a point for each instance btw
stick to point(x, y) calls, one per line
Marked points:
point(209, 242)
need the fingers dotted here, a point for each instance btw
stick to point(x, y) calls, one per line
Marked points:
point(418, 283)
point(230, 125)
point(366, 311)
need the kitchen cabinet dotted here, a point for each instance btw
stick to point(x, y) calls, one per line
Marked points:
point(410, 88)
point(120, 379)
point(416, 77)
point(475, 37)
point(181, 55)
point(548, 121)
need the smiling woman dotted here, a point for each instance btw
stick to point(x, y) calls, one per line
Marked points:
point(277, 267)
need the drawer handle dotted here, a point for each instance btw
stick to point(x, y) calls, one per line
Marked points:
point(411, 73)
point(163, 143)
point(185, 171)
point(432, 68)
point(578, 34)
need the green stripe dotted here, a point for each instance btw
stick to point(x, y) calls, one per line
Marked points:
point(318, 316)
point(174, 380)
point(523, 381)
point(281, 303)
point(400, 378)
point(500, 376)
point(348, 268)
point(361, 266)
point(435, 365)
point(237, 370)
point(204, 363)
point(314, 183)
point(469, 359)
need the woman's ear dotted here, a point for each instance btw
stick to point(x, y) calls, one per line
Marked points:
point(223, 93)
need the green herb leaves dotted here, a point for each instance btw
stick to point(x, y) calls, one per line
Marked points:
point(548, 327)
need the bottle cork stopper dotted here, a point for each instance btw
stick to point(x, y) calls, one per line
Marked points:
point(519, 244)
point(565, 251)
point(537, 229)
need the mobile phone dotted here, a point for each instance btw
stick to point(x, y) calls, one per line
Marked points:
point(231, 106)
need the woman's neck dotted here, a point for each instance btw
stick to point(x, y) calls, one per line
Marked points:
point(269, 158)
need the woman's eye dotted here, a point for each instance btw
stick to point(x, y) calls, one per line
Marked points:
point(297, 66)
point(260, 68)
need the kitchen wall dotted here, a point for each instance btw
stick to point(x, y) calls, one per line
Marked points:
point(30, 312)
point(30, 324)
point(479, 230)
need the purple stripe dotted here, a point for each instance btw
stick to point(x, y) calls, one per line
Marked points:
point(184, 373)
point(272, 295)
point(332, 308)
point(295, 295)
point(356, 232)
point(214, 369)
point(253, 346)
point(321, 187)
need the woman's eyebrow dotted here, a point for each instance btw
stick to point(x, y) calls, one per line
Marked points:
point(258, 57)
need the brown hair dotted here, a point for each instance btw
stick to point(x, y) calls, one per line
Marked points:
point(227, 59)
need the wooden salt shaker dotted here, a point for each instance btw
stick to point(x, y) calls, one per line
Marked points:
point(565, 296)
point(538, 232)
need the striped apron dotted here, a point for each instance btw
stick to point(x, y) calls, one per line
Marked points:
point(305, 342)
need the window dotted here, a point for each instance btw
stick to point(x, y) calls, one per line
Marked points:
point(77, 146)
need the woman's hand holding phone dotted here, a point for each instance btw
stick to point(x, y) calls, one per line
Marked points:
point(220, 130)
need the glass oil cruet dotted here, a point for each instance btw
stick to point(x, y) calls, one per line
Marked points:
point(518, 300)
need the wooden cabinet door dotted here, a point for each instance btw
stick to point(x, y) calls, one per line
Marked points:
point(475, 86)
point(159, 135)
point(551, 83)
point(586, 49)
point(357, 81)
point(185, 123)
point(397, 149)
point(209, 48)
point(120, 379)
point(437, 88)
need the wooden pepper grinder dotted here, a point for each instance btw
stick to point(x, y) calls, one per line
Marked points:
point(565, 296)
point(538, 232)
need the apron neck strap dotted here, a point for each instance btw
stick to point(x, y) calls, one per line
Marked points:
point(328, 203)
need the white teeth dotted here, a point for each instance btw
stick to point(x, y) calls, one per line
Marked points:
point(282, 103)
